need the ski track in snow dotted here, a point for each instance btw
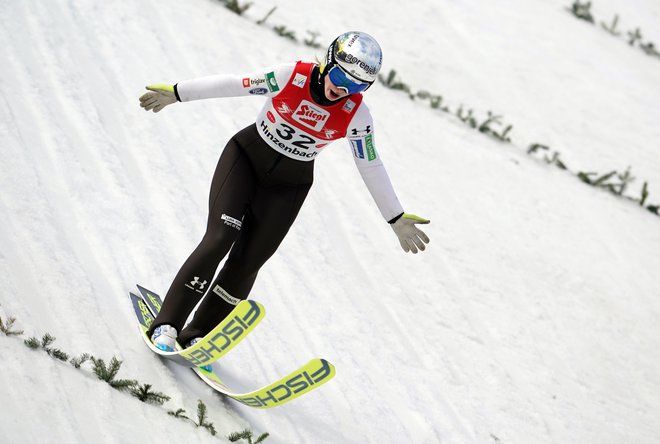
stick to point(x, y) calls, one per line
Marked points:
point(532, 317)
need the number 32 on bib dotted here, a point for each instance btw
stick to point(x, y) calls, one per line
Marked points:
point(292, 124)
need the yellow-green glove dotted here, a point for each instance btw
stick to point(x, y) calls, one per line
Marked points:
point(158, 97)
point(410, 237)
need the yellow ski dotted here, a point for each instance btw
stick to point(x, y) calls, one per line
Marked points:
point(232, 330)
point(223, 338)
point(308, 377)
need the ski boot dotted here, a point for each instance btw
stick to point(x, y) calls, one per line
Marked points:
point(164, 337)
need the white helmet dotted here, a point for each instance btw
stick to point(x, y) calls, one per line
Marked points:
point(357, 53)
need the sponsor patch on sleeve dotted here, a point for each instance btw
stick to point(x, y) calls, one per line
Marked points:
point(271, 81)
point(358, 150)
point(369, 143)
point(252, 82)
point(363, 148)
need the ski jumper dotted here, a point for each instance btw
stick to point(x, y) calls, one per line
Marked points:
point(261, 181)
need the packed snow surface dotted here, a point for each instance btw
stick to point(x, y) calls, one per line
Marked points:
point(533, 316)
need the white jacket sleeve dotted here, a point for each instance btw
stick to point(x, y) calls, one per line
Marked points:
point(267, 82)
point(360, 135)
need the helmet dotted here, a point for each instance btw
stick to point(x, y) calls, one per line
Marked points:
point(357, 53)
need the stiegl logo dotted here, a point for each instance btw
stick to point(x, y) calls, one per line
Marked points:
point(310, 115)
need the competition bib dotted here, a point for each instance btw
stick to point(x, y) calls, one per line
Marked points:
point(292, 124)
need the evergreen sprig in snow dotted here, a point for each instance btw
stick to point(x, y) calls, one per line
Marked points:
point(247, 435)
point(77, 362)
point(45, 344)
point(202, 418)
point(7, 327)
point(108, 372)
point(145, 394)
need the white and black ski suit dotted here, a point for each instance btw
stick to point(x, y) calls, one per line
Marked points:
point(261, 181)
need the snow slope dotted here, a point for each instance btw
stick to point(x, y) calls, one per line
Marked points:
point(532, 317)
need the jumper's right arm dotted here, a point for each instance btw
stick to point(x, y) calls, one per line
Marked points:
point(267, 82)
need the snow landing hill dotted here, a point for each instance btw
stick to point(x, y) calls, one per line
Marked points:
point(533, 317)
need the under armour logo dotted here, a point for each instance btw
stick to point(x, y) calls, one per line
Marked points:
point(357, 132)
point(196, 282)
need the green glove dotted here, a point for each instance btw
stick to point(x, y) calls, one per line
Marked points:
point(158, 97)
point(410, 237)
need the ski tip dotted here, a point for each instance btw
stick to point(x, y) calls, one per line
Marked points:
point(254, 303)
point(326, 362)
point(322, 366)
point(142, 289)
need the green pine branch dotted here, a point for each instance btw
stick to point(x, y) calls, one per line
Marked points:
point(123, 384)
point(486, 127)
point(282, 31)
point(32, 343)
point(45, 344)
point(236, 7)
point(46, 340)
point(311, 41)
point(108, 373)
point(555, 160)
point(504, 135)
point(202, 418)
point(467, 118)
point(551, 160)
point(179, 413)
point(145, 394)
point(611, 28)
point(392, 83)
point(80, 360)
point(645, 194)
point(634, 36)
point(263, 20)
point(492, 118)
point(587, 178)
point(533, 148)
point(57, 354)
point(247, 435)
point(7, 327)
point(625, 179)
point(582, 11)
point(649, 49)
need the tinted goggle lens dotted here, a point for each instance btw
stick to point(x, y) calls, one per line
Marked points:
point(342, 80)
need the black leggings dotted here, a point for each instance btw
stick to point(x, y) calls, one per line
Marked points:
point(256, 194)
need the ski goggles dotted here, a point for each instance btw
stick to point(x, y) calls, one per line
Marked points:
point(341, 79)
